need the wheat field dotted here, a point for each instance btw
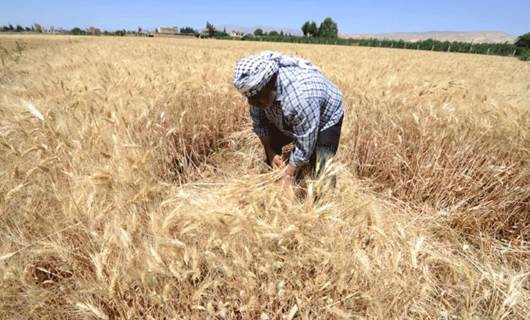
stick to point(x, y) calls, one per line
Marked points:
point(131, 187)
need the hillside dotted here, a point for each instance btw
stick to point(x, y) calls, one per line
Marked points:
point(475, 37)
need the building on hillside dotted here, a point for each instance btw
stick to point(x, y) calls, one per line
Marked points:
point(172, 32)
point(166, 30)
point(54, 30)
point(237, 34)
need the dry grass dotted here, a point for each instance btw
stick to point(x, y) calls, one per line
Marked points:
point(141, 193)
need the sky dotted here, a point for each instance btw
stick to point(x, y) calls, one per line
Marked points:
point(361, 16)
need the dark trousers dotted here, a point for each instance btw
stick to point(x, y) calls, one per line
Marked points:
point(326, 146)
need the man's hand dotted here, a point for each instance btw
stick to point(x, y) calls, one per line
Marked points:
point(286, 181)
point(277, 162)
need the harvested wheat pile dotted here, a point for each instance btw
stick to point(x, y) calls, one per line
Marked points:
point(132, 187)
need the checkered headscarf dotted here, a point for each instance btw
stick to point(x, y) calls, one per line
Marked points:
point(252, 73)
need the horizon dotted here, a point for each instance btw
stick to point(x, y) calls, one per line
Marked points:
point(362, 17)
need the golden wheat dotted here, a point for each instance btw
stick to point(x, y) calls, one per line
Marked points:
point(132, 187)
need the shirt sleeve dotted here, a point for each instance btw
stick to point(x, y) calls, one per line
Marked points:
point(306, 123)
point(260, 123)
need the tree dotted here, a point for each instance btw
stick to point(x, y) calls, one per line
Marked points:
point(313, 29)
point(19, 28)
point(328, 28)
point(305, 28)
point(248, 36)
point(258, 32)
point(11, 27)
point(310, 29)
point(523, 41)
point(37, 27)
point(274, 33)
point(77, 31)
point(221, 33)
point(210, 29)
point(188, 30)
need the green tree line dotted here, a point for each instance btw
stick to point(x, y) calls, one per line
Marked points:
point(18, 28)
point(519, 49)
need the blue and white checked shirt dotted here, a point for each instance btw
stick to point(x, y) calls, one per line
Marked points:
point(306, 104)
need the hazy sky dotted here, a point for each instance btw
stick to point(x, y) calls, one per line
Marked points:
point(362, 16)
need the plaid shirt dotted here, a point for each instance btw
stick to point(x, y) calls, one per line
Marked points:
point(306, 104)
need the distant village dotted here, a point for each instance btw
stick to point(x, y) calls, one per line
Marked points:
point(94, 31)
point(186, 32)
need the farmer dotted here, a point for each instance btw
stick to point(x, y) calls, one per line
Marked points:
point(291, 101)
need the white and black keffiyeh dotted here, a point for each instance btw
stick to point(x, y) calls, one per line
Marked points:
point(252, 73)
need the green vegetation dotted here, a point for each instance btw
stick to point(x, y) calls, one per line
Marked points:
point(525, 56)
point(327, 33)
point(519, 49)
point(523, 41)
point(120, 33)
point(77, 31)
point(310, 29)
point(188, 30)
point(37, 27)
point(327, 29)
point(501, 49)
point(210, 29)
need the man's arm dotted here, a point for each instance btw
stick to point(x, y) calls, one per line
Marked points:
point(306, 122)
point(266, 142)
point(274, 159)
point(260, 125)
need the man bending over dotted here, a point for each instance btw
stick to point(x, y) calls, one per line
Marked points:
point(291, 101)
